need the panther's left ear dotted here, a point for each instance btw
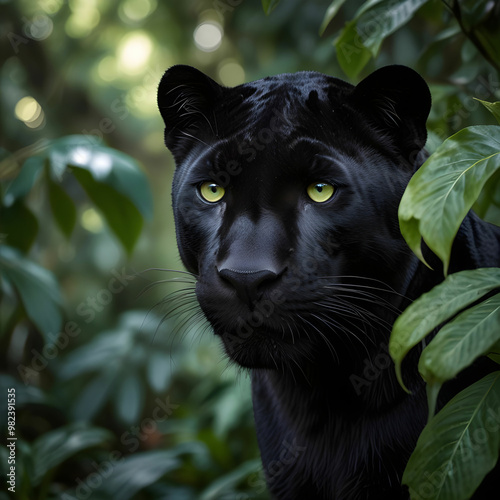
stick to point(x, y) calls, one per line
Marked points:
point(398, 100)
point(186, 99)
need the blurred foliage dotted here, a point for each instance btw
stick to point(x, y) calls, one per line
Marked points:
point(117, 396)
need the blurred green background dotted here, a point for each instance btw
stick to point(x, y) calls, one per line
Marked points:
point(116, 395)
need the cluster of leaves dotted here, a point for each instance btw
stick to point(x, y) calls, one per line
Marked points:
point(361, 38)
point(113, 181)
point(92, 417)
point(463, 171)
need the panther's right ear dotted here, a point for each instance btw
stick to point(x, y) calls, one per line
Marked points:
point(186, 99)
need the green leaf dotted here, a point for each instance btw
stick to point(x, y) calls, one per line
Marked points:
point(351, 53)
point(471, 334)
point(63, 208)
point(159, 371)
point(446, 186)
point(37, 288)
point(116, 170)
point(28, 176)
point(95, 394)
point(269, 5)
point(377, 19)
point(138, 471)
point(129, 398)
point(492, 107)
point(71, 147)
point(459, 446)
point(435, 307)
point(54, 447)
point(16, 216)
point(331, 12)
point(120, 213)
point(106, 165)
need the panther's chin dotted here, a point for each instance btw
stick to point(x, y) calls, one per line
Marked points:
point(263, 351)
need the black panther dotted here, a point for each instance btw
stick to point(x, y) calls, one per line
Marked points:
point(285, 198)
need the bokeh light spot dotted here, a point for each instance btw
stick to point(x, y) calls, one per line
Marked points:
point(134, 52)
point(134, 10)
point(92, 221)
point(40, 27)
point(106, 69)
point(231, 73)
point(29, 111)
point(50, 6)
point(208, 36)
point(84, 18)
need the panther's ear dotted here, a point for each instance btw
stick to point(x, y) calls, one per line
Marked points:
point(398, 100)
point(186, 99)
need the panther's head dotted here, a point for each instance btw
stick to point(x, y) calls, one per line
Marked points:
point(285, 198)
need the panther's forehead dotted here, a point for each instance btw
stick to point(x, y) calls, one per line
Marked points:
point(298, 86)
point(287, 98)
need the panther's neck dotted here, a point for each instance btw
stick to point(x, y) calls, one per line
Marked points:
point(332, 436)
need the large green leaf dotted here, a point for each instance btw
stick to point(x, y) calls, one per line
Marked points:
point(459, 446)
point(472, 333)
point(351, 53)
point(432, 309)
point(121, 214)
point(107, 166)
point(54, 447)
point(330, 13)
point(446, 186)
point(361, 38)
point(377, 19)
point(37, 289)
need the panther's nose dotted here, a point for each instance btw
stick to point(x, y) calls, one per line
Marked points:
point(247, 283)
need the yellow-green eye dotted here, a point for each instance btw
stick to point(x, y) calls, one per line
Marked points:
point(320, 191)
point(211, 192)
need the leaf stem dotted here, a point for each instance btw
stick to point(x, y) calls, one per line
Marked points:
point(454, 8)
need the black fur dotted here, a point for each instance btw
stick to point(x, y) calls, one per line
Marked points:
point(304, 294)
